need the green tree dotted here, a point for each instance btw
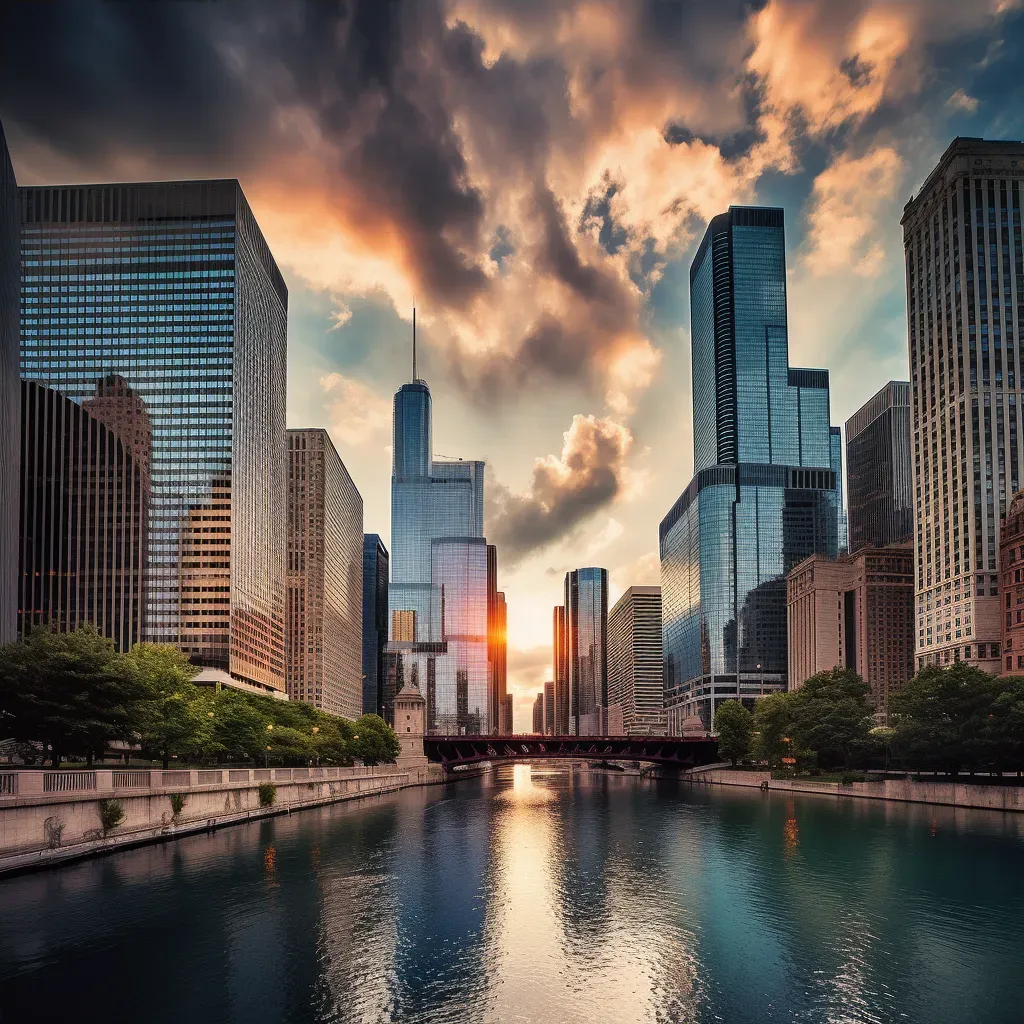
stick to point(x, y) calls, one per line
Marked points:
point(1003, 734)
point(941, 717)
point(176, 718)
point(71, 691)
point(239, 725)
point(734, 725)
point(773, 722)
point(374, 741)
point(832, 717)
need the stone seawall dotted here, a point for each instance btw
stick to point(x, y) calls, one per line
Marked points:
point(948, 794)
point(50, 817)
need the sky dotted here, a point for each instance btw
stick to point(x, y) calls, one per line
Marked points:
point(535, 175)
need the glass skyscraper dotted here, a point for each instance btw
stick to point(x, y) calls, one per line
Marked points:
point(171, 288)
point(879, 469)
point(439, 569)
point(765, 492)
point(586, 638)
point(10, 396)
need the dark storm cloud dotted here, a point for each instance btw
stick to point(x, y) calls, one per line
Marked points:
point(564, 491)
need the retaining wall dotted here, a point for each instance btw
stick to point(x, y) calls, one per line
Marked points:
point(49, 817)
point(949, 794)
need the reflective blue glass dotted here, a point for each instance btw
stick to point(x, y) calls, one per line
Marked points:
point(586, 613)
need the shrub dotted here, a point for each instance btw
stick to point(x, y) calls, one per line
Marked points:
point(177, 803)
point(53, 830)
point(268, 792)
point(848, 779)
point(111, 815)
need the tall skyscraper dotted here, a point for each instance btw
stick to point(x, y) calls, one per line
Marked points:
point(560, 670)
point(635, 661)
point(857, 612)
point(835, 437)
point(324, 599)
point(439, 568)
point(538, 714)
point(765, 494)
point(507, 719)
point(10, 395)
point(171, 288)
point(549, 709)
point(879, 469)
point(500, 648)
point(586, 631)
point(965, 280)
point(375, 622)
point(84, 508)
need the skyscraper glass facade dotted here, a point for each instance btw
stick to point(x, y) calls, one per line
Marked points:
point(172, 288)
point(375, 622)
point(560, 666)
point(879, 469)
point(765, 494)
point(586, 614)
point(10, 395)
point(439, 567)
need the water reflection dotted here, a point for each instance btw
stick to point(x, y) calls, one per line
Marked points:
point(535, 894)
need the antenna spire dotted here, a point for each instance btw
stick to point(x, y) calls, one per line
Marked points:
point(414, 344)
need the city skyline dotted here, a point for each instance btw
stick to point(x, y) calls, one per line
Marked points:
point(807, 144)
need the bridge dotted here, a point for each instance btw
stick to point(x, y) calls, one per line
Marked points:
point(670, 751)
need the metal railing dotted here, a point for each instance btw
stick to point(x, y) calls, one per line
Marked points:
point(130, 779)
point(68, 782)
point(8, 783)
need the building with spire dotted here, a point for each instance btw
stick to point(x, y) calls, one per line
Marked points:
point(439, 593)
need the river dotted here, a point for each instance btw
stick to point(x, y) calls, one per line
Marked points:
point(537, 895)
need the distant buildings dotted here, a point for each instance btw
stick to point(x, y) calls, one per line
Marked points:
point(375, 622)
point(635, 665)
point(586, 650)
point(857, 613)
point(879, 469)
point(549, 708)
point(965, 277)
point(507, 728)
point(324, 601)
point(766, 489)
point(538, 714)
point(169, 291)
point(439, 591)
point(84, 510)
point(1011, 590)
point(10, 395)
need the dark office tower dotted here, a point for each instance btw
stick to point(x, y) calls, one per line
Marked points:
point(965, 282)
point(879, 469)
point(635, 666)
point(765, 494)
point(375, 622)
point(586, 628)
point(324, 600)
point(167, 293)
point(10, 396)
point(83, 521)
point(538, 715)
point(560, 670)
point(507, 717)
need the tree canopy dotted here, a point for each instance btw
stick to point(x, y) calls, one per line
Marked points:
point(734, 725)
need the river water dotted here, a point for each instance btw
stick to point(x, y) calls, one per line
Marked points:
point(537, 895)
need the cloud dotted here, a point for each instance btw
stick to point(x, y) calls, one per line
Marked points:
point(356, 413)
point(847, 203)
point(961, 101)
point(565, 490)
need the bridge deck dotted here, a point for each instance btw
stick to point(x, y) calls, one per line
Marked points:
point(681, 752)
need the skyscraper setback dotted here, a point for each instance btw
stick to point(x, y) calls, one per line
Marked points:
point(879, 469)
point(765, 493)
point(324, 600)
point(965, 314)
point(170, 288)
